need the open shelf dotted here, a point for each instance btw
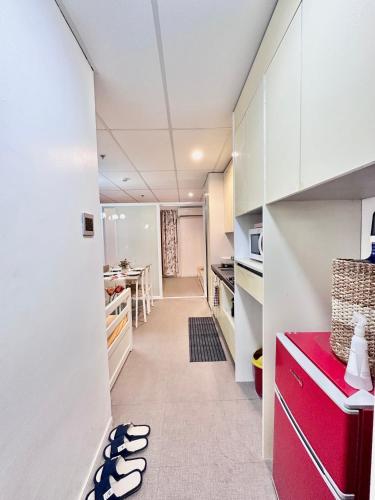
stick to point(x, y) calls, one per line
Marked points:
point(251, 264)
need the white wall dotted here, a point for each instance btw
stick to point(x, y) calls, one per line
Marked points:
point(54, 376)
point(219, 244)
point(110, 243)
point(135, 235)
point(190, 245)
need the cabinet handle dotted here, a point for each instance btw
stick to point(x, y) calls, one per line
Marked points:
point(296, 377)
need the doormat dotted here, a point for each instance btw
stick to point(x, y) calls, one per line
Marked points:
point(204, 341)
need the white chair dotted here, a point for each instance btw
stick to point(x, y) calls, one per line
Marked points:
point(139, 293)
point(149, 288)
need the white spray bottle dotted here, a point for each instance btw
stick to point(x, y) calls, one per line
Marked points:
point(358, 372)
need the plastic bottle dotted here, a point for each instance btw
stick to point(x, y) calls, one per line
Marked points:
point(357, 371)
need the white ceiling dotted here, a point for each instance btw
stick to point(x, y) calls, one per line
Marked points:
point(167, 77)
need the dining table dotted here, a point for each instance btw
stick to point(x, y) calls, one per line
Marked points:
point(118, 277)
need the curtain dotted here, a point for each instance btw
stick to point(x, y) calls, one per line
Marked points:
point(169, 242)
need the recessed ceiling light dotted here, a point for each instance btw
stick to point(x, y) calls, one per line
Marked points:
point(122, 216)
point(147, 226)
point(235, 154)
point(197, 155)
point(190, 194)
point(126, 179)
point(114, 217)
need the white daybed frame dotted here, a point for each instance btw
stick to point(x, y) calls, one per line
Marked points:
point(119, 350)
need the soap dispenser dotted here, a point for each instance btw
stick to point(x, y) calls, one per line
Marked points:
point(357, 371)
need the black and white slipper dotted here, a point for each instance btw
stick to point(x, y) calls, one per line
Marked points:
point(124, 447)
point(121, 467)
point(114, 486)
point(130, 431)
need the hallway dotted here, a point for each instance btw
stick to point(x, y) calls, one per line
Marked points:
point(206, 429)
point(182, 287)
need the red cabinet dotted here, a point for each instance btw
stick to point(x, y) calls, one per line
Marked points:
point(295, 474)
point(322, 443)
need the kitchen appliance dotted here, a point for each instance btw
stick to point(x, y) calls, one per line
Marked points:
point(256, 243)
point(226, 262)
point(323, 427)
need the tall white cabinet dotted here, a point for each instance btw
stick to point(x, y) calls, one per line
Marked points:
point(249, 156)
point(338, 90)
point(283, 115)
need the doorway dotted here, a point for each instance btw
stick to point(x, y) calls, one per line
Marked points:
point(183, 251)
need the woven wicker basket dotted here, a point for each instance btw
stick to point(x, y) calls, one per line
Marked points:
point(353, 289)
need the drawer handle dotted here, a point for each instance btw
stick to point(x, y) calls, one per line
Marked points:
point(296, 377)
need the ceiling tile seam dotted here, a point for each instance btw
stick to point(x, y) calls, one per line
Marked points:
point(127, 157)
point(118, 188)
point(159, 42)
point(108, 198)
point(222, 151)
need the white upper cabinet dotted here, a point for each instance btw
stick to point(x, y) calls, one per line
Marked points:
point(228, 199)
point(249, 157)
point(240, 180)
point(283, 112)
point(255, 150)
point(338, 88)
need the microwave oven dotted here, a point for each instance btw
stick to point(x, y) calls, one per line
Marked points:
point(256, 243)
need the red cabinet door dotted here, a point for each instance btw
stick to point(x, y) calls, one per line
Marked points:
point(331, 432)
point(295, 474)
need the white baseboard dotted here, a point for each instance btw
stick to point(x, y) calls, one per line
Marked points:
point(96, 461)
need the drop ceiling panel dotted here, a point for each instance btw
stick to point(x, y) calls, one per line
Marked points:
point(142, 195)
point(160, 180)
point(209, 141)
point(188, 179)
point(119, 38)
point(105, 199)
point(117, 196)
point(197, 194)
point(135, 180)
point(218, 40)
point(166, 195)
point(114, 157)
point(147, 149)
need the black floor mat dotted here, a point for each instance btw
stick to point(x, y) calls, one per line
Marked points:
point(204, 341)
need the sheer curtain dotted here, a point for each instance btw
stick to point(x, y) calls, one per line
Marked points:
point(169, 242)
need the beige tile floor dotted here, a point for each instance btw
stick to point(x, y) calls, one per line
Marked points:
point(205, 441)
point(182, 287)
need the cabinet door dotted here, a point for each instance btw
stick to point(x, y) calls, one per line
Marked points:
point(228, 199)
point(240, 180)
point(338, 90)
point(254, 152)
point(283, 111)
point(295, 473)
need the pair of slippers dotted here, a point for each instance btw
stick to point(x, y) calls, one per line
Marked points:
point(119, 476)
